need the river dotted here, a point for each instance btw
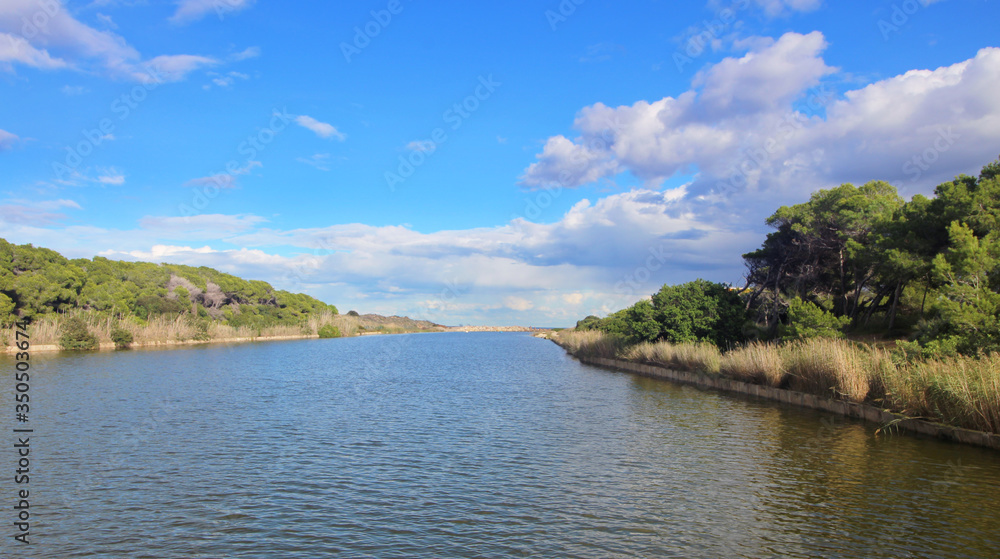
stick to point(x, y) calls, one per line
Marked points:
point(463, 445)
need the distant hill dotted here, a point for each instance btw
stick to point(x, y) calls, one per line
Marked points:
point(38, 282)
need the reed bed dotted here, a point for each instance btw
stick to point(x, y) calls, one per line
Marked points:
point(960, 391)
point(756, 362)
point(700, 356)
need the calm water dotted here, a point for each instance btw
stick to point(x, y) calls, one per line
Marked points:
point(465, 445)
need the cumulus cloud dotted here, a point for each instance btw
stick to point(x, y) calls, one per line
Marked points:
point(321, 129)
point(516, 303)
point(766, 122)
point(193, 10)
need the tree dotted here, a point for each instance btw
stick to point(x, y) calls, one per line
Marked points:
point(75, 335)
point(969, 306)
point(700, 311)
point(831, 247)
point(808, 320)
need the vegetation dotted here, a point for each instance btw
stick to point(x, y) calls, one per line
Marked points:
point(80, 303)
point(122, 338)
point(962, 391)
point(918, 280)
point(37, 283)
point(76, 336)
point(329, 331)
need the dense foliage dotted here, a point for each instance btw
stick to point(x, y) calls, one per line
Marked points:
point(693, 312)
point(37, 282)
point(854, 260)
point(75, 335)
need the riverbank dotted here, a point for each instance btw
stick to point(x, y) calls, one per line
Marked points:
point(172, 331)
point(176, 332)
point(883, 400)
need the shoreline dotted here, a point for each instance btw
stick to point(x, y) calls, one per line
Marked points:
point(164, 344)
point(887, 420)
point(167, 344)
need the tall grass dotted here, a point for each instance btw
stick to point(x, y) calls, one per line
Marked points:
point(164, 330)
point(590, 343)
point(757, 362)
point(701, 356)
point(961, 391)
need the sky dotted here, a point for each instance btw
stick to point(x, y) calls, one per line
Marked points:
point(514, 163)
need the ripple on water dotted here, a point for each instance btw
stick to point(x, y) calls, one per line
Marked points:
point(470, 445)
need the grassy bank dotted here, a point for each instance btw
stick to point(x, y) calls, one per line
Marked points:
point(959, 391)
point(164, 330)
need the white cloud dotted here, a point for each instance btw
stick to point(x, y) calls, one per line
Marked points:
point(322, 129)
point(61, 31)
point(70, 90)
point(115, 179)
point(35, 213)
point(193, 10)
point(76, 45)
point(426, 146)
point(17, 49)
point(249, 52)
point(320, 161)
point(172, 68)
point(7, 140)
point(518, 303)
point(776, 8)
point(107, 21)
point(757, 123)
point(225, 180)
point(202, 227)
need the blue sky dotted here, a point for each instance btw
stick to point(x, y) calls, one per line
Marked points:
point(502, 163)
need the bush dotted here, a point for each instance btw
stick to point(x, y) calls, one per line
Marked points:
point(76, 336)
point(352, 313)
point(329, 331)
point(700, 311)
point(808, 320)
point(122, 338)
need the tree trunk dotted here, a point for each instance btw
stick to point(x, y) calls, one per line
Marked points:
point(895, 304)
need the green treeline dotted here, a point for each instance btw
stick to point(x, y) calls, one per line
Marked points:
point(38, 283)
point(855, 261)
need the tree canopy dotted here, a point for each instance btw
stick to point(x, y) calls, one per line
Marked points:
point(36, 281)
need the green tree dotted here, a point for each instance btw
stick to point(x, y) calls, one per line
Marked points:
point(969, 306)
point(700, 311)
point(808, 320)
point(75, 335)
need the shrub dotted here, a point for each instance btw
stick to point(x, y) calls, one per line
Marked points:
point(353, 313)
point(122, 338)
point(76, 336)
point(700, 311)
point(808, 320)
point(329, 331)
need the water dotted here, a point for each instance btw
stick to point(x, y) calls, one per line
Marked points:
point(464, 445)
